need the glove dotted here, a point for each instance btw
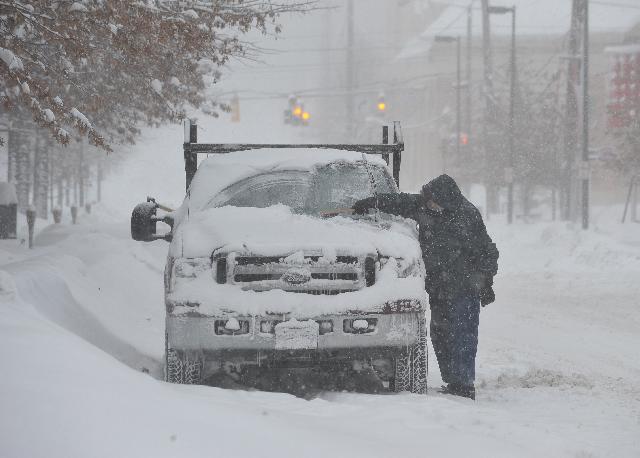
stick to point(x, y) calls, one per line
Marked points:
point(361, 207)
point(487, 296)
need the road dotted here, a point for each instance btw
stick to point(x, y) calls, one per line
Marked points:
point(82, 336)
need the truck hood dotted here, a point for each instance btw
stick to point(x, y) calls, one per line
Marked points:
point(276, 231)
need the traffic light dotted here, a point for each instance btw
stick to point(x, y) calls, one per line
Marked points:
point(296, 115)
point(294, 111)
point(465, 142)
point(382, 105)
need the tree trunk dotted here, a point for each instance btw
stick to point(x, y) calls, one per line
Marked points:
point(13, 144)
point(60, 192)
point(99, 181)
point(23, 175)
point(493, 199)
point(41, 178)
point(81, 175)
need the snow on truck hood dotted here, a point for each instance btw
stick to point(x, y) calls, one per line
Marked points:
point(277, 231)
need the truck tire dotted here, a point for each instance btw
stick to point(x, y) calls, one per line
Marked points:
point(411, 365)
point(183, 368)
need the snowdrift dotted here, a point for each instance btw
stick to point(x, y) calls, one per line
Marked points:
point(81, 321)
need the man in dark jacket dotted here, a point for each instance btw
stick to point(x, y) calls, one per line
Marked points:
point(460, 261)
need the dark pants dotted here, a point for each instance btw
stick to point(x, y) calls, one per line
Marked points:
point(454, 335)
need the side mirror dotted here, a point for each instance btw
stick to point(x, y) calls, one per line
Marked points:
point(144, 220)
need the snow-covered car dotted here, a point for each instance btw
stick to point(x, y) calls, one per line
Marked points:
point(268, 268)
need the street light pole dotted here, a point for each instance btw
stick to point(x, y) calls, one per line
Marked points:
point(458, 105)
point(468, 75)
point(450, 39)
point(585, 118)
point(512, 97)
point(509, 171)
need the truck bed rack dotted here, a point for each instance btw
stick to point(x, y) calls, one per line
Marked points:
point(192, 148)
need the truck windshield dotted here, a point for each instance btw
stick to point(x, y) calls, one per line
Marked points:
point(332, 187)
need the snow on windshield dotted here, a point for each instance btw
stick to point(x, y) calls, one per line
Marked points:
point(219, 172)
point(336, 185)
point(340, 185)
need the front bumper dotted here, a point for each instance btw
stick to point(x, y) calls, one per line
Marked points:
point(197, 333)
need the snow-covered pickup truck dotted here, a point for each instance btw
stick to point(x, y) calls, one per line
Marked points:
point(268, 268)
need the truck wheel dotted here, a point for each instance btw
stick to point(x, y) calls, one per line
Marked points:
point(411, 365)
point(183, 368)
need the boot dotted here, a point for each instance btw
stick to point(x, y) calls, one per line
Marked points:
point(456, 389)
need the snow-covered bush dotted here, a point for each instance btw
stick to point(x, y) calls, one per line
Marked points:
point(100, 66)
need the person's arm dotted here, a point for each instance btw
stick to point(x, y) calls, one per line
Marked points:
point(484, 252)
point(401, 204)
point(484, 258)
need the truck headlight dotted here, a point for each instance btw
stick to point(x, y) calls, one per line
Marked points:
point(187, 268)
point(190, 267)
point(403, 267)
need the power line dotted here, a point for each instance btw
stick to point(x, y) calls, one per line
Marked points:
point(371, 87)
point(364, 48)
point(456, 19)
point(615, 4)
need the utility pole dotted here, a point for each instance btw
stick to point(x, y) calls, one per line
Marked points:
point(488, 122)
point(451, 39)
point(458, 104)
point(585, 117)
point(571, 110)
point(350, 73)
point(509, 171)
point(512, 124)
point(469, 61)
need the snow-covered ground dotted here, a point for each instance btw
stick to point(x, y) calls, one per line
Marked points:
point(82, 337)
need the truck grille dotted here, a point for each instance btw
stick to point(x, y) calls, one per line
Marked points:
point(245, 278)
point(321, 292)
point(264, 273)
point(261, 260)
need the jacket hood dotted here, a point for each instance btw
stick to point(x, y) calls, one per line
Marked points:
point(444, 191)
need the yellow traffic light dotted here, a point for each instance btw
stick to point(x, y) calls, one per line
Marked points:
point(297, 111)
point(382, 106)
point(305, 116)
